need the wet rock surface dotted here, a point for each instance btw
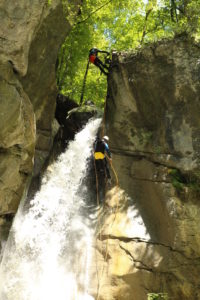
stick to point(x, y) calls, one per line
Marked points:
point(71, 118)
point(153, 117)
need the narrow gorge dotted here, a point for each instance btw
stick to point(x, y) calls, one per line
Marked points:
point(146, 238)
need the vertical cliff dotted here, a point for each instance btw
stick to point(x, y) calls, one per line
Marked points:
point(151, 222)
point(30, 36)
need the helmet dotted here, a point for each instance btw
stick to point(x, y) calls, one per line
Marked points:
point(106, 138)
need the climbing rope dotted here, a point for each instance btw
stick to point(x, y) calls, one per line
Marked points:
point(113, 169)
point(97, 182)
point(109, 230)
point(99, 225)
point(107, 61)
point(104, 119)
point(106, 250)
point(84, 82)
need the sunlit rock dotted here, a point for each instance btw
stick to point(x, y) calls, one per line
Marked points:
point(153, 120)
point(31, 35)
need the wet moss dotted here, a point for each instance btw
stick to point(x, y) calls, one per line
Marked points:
point(181, 181)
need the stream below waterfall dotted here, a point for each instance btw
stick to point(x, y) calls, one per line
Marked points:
point(48, 252)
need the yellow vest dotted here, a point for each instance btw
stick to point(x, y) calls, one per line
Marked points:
point(99, 155)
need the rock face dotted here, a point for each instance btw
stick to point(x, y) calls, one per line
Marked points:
point(30, 36)
point(71, 118)
point(153, 120)
point(17, 144)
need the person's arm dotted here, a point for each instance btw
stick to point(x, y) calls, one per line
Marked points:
point(103, 51)
point(108, 150)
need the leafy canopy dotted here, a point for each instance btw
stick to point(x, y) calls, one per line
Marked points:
point(119, 25)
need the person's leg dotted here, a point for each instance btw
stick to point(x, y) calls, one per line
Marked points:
point(107, 168)
point(102, 69)
point(100, 183)
point(100, 65)
point(99, 166)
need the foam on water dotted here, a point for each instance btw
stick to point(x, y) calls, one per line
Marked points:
point(47, 255)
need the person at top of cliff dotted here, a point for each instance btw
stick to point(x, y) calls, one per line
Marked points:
point(101, 153)
point(94, 59)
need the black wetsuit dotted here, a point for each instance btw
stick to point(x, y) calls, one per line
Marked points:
point(100, 159)
point(93, 58)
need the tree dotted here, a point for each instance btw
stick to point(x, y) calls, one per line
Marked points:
point(120, 25)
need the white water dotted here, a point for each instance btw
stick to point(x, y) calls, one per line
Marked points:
point(47, 255)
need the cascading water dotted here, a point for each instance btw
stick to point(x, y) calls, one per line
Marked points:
point(48, 251)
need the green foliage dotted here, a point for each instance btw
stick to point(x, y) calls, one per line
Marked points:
point(145, 137)
point(179, 181)
point(194, 182)
point(71, 9)
point(157, 296)
point(119, 25)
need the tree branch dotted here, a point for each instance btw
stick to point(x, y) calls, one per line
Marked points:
point(173, 11)
point(145, 25)
point(94, 11)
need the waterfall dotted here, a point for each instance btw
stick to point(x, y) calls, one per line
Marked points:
point(48, 252)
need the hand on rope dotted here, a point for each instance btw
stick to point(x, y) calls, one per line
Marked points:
point(113, 169)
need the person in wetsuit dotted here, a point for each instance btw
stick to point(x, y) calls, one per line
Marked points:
point(101, 150)
point(94, 59)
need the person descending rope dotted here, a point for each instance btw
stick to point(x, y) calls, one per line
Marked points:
point(94, 59)
point(100, 147)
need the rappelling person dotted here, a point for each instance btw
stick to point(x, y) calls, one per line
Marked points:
point(94, 59)
point(101, 153)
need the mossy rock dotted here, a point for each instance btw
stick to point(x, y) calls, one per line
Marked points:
point(82, 114)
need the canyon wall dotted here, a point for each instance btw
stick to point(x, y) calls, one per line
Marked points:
point(31, 34)
point(148, 239)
